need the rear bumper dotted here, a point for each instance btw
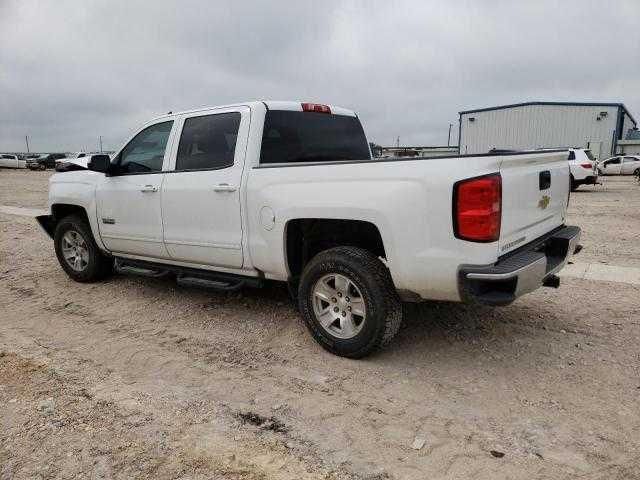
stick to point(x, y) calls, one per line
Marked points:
point(589, 180)
point(521, 271)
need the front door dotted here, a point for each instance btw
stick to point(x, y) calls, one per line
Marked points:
point(128, 199)
point(201, 197)
point(612, 166)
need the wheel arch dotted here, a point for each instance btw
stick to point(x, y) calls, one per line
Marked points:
point(61, 210)
point(306, 237)
point(58, 212)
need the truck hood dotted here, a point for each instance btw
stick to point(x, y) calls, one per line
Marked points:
point(79, 175)
point(72, 164)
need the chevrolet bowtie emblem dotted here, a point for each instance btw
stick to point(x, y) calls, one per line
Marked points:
point(544, 202)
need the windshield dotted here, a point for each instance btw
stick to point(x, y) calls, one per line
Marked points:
point(290, 136)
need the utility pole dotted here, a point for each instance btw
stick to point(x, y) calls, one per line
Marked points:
point(100, 137)
point(449, 139)
point(26, 139)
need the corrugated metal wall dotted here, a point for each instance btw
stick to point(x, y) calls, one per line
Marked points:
point(538, 126)
point(627, 124)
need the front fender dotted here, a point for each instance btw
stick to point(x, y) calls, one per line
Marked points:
point(77, 189)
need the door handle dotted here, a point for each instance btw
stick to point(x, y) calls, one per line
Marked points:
point(149, 188)
point(224, 187)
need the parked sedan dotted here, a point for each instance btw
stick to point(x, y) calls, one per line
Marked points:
point(620, 165)
point(11, 161)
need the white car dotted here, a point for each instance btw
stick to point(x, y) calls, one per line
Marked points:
point(583, 168)
point(286, 191)
point(11, 161)
point(620, 165)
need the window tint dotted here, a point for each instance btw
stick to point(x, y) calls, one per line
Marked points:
point(615, 161)
point(145, 152)
point(590, 155)
point(630, 159)
point(208, 141)
point(312, 137)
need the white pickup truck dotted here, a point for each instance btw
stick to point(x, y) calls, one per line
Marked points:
point(242, 194)
point(11, 161)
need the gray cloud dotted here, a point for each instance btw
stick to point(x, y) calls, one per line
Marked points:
point(70, 71)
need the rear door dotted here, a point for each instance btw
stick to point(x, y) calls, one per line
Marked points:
point(629, 165)
point(535, 189)
point(201, 195)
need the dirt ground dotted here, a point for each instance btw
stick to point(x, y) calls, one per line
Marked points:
point(140, 378)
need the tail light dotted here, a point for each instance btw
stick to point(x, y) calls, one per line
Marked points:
point(315, 107)
point(477, 208)
point(588, 166)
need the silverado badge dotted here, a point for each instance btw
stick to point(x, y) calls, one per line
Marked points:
point(544, 202)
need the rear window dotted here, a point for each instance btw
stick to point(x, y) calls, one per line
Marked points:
point(208, 142)
point(312, 137)
point(590, 155)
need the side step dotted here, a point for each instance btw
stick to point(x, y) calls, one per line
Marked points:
point(126, 268)
point(227, 286)
point(188, 277)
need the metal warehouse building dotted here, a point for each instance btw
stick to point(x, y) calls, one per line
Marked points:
point(531, 125)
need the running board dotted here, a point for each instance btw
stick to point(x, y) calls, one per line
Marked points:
point(188, 277)
point(210, 283)
point(125, 268)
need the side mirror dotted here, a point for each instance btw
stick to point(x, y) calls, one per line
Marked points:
point(99, 163)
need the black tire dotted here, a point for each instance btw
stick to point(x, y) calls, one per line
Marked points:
point(372, 278)
point(98, 266)
point(574, 185)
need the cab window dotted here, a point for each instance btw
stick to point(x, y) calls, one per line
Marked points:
point(145, 152)
point(208, 142)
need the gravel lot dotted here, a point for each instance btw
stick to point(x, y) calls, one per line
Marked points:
point(140, 378)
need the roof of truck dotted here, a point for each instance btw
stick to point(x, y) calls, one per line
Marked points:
point(270, 104)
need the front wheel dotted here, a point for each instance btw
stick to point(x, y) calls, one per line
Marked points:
point(348, 302)
point(77, 251)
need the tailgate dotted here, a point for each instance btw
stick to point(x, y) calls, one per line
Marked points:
point(535, 188)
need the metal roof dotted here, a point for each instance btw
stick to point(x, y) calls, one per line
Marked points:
point(570, 104)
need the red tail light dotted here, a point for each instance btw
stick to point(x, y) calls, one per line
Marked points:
point(315, 107)
point(477, 208)
point(588, 166)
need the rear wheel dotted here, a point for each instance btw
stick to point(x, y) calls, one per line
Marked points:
point(574, 184)
point(348, 302)
point(77, 251)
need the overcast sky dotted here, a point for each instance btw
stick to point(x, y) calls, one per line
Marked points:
point(73, 70)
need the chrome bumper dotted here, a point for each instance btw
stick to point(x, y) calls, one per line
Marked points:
point(521, 271)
